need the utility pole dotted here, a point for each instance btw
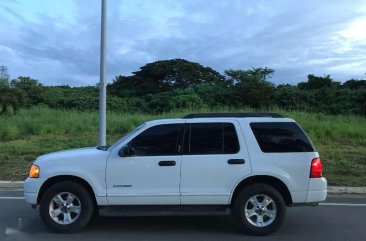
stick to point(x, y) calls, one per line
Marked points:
point(102, 85)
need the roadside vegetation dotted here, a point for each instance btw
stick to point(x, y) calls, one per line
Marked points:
point(340, 139)
point(168, 85)
point(37, 119)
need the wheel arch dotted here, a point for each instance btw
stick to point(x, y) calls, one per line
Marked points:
point(275, 182)
point(55, 179)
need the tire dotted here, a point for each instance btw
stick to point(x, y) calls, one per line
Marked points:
point(259, 209)
point(71, 205)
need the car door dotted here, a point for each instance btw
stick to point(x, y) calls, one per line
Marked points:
point(214, 160)
point(150, 174)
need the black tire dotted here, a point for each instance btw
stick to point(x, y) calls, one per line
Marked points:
point(83, 197)
point(260, 190)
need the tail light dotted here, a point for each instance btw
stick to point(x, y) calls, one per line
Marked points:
point(316, 169)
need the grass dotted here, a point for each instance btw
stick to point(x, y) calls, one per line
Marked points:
point(341, 140)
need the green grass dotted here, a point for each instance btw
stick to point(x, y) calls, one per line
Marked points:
point(341, 140)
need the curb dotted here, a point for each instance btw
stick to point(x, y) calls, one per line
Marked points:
point(346, 190)
point(11, 186)
point(18, 186)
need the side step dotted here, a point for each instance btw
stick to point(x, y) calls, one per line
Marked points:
point(163, 210)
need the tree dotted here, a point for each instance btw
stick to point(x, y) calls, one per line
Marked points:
point(251, 86)
point(31, 89)
point(263, 73)
point(4, 76)
point(9, 98)
point(317, 82)
point(355, 84)
point(162, 76)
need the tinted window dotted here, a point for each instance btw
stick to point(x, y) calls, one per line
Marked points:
point(206, 138)
point(211, 138)
point(281, 137)
point(161, 140)
point(231, 143)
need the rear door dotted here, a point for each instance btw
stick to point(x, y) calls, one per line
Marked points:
point(214, 160)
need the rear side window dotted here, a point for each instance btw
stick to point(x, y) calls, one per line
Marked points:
point(281, 137)
point(231, 144)
point(211, 138)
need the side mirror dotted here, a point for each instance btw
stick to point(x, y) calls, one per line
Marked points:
point(126, 151)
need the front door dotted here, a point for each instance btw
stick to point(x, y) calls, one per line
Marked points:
point(150, 173)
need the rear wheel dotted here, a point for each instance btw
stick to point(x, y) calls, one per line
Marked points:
point(66, 207)
point(259, 209)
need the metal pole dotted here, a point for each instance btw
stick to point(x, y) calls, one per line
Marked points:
point(102, 85)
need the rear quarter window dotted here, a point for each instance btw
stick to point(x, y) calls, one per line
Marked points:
point(281, 137)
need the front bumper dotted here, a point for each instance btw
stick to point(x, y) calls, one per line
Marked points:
point(31, 198)
point(31, 189)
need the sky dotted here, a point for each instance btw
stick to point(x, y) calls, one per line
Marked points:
point(58, 41)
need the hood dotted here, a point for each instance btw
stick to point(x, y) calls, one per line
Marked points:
point(79, 153)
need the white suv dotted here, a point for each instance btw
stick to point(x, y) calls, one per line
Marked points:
point(251, 165)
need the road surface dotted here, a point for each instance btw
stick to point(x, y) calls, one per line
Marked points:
point(338, 218)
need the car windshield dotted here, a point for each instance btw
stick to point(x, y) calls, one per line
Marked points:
point(127, 135)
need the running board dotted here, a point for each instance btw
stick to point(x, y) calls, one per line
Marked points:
point(313, 204)
point(163, 210)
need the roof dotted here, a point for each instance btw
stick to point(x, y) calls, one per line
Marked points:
point(235, 115)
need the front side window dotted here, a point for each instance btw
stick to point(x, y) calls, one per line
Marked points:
point(281, 137)
point(128, 135)
point(211, 138)
point(160, 140)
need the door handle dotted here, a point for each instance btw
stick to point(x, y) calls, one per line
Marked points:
point(166, 163)
point(236, 161)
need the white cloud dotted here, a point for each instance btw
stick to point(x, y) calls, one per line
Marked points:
point(58, 41)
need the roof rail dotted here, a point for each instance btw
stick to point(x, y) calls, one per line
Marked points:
point(237, 115)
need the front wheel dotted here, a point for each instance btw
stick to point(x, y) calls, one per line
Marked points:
point(66, 207)
point(259, 209)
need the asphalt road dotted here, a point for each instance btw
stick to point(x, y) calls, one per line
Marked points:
point(337, 219)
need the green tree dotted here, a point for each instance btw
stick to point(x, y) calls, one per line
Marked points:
point(251, 87)
point(31, 89)
point(355, 84)
point(162, 76)
point(262, 73)
point(172, 100)
point(9, 98)
point(215, 95)
point(4, 76)
point(317, 82)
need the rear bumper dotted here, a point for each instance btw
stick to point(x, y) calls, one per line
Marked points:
point(317, 191)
